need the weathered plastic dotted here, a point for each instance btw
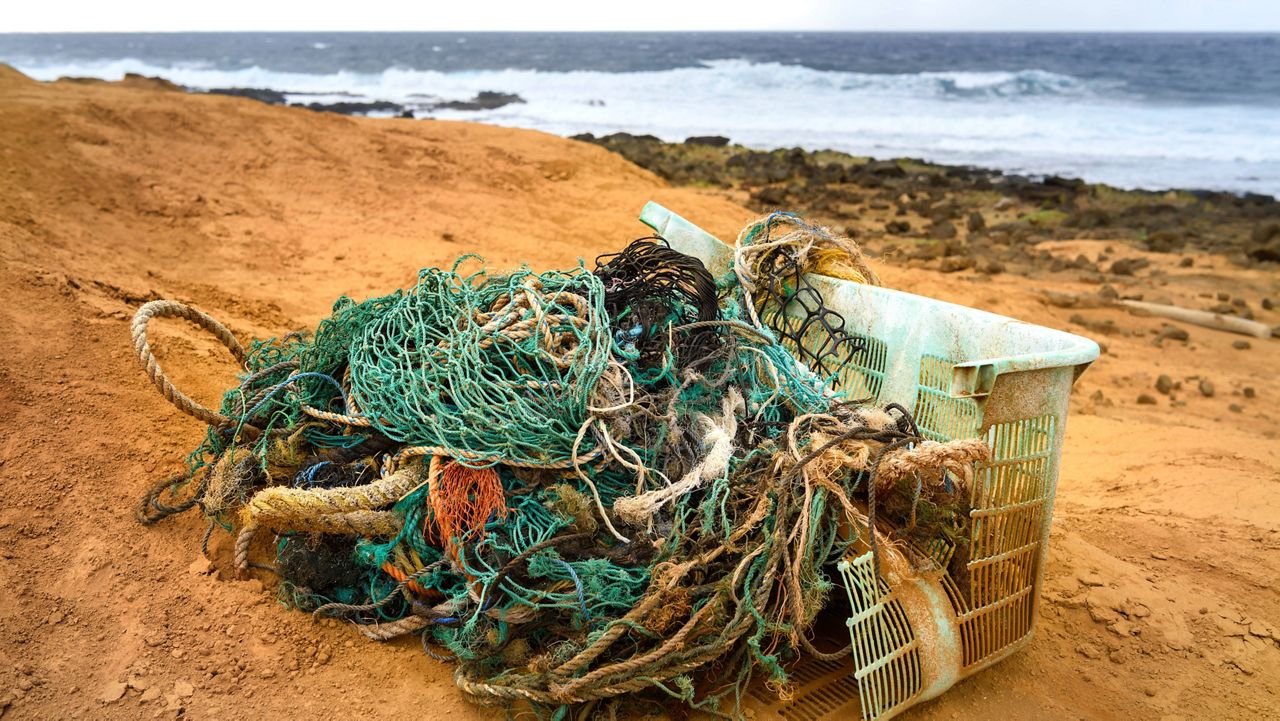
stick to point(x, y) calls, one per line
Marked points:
point(964, 373)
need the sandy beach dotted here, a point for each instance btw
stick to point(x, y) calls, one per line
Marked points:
point(1160, 598)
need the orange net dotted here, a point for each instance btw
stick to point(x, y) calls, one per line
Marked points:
point(464, 499)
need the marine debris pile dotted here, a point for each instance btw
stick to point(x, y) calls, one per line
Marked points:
point(574, 485)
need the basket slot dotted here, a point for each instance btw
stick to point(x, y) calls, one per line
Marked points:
point(941, 417)
point(822, 701)
point(885, 651)
point(997, 535)
point(986, 632)
point(1006, 534)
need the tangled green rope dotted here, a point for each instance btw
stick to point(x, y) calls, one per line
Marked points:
point(564, 399)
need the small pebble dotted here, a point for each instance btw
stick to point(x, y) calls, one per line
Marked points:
point(1268, 304)
point(1242, 345)
point(1164, 384)
point(1249, 392)
point(1206, 387)
point(1146, 399)
point(1235, 408)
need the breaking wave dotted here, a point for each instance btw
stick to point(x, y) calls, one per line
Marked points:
point(1027, 120)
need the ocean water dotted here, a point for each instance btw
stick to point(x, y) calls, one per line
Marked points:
point(1138, 111)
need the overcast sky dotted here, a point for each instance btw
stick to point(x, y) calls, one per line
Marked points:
point(471, 15)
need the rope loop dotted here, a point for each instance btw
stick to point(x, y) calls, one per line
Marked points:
point(150, 366)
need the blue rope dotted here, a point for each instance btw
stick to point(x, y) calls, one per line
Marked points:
point(289, 381)
point(309, 476)
point(577, 582)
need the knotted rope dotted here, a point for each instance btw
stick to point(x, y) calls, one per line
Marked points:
point(457, 460)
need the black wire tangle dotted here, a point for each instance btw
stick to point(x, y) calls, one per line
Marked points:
point(648, 282)
point(795, 311)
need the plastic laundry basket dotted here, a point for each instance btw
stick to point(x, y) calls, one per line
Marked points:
point(963, 373)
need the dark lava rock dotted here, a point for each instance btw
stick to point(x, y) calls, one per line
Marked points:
point(991, 267)
point(713, 141)
point(976, 223)
point(265, 95)
point(770, 195)
point(357, 107)
point(621, 138)
point(1082, 262)
point(1105, 327)
point(1269, 253)
point(1173, 332)
point(1249, 392)
point(1088, 219)
point(1268, 304)
point(1241, 345)
point(884, 169)
point(897, 227)
point(1264, 243)
point(930, 251)
point(1206, 388)
point(945, 210)
point(484, 100)
point(1164, 384)
point(1265, 232)
point(955, 263)
point(1146, 399)
point(1186, 262)
point(942, 231)
point(1060, 182)
point(1165, 241)
point(1128, 266)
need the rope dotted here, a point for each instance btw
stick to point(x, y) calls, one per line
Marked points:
point(333, 510)
point(150, 366)
point(459, 460)
point(931, 455)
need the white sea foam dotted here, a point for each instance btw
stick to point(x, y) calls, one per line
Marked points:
point(1029, 121)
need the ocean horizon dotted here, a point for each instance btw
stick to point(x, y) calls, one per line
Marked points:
point(1148, 110)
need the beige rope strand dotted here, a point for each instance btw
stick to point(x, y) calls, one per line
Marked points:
point(150, 366)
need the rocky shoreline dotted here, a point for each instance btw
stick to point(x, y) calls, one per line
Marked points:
point(911, 211)
point(484, 100)
point(959, 217)
point(422, 106)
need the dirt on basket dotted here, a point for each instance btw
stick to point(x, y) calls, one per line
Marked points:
point(1158, 599)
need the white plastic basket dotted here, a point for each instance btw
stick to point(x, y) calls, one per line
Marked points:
point(964, 373)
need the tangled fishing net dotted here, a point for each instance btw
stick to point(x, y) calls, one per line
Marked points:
point(628, 479)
